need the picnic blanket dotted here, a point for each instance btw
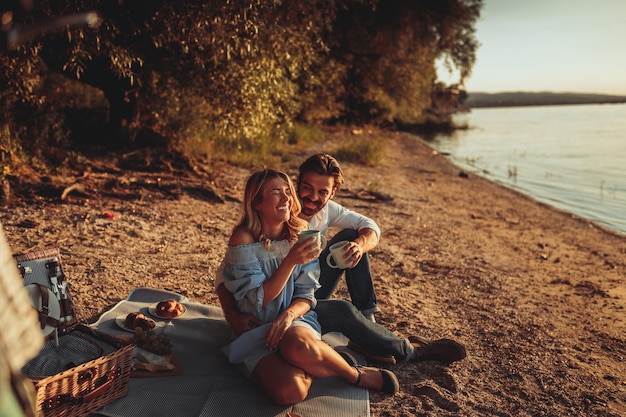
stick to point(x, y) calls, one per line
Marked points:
point(208, 384)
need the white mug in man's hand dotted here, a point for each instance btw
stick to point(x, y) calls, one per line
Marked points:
point(305, 235)
point(335, 257)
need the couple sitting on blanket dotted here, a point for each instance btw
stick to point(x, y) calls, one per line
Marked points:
point(274, 290)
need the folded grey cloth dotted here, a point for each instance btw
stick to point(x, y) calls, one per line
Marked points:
point(74, 349)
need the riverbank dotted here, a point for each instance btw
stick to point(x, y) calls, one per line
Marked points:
point(535, 294)
point(545, 98)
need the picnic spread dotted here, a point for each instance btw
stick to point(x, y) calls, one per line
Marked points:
point(155, 353)
point(206, 383)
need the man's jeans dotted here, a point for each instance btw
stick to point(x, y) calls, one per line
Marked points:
point(341, 316)
point(358, 279)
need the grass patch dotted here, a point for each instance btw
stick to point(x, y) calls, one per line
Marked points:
point(303, 135)
point(366, 152)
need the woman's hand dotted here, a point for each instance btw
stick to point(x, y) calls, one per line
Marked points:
point(304, 252)
point(278, 328)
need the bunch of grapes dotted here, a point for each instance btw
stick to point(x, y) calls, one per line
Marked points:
point(152, 342)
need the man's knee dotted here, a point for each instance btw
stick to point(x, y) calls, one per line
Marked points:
point(344, 308)
point(335, 309)
point(346, 234)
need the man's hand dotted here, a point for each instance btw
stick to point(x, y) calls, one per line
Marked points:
point(241, 322)
point(353, 252)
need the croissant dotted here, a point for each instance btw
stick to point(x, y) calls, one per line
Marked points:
point(169, 308)
point(134, 320)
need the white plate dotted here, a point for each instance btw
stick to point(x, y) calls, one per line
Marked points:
point(121, 323)
point(54, 308)
point(153, 311)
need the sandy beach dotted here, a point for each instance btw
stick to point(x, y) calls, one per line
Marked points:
point(537, 295)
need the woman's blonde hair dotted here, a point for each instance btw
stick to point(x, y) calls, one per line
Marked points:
point(253, 195)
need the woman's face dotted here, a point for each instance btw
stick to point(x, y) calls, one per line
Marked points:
point(275, 205)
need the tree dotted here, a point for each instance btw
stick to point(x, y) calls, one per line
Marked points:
point(235, 73)
point(386, 52)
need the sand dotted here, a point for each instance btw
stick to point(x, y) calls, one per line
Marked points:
point(535, 294)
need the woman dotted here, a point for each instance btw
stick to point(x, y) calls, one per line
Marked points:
point(274, 279)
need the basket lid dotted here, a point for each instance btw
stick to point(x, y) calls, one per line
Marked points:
point(44, 267)
point(47, 304)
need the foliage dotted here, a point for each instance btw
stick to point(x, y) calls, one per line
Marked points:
point(222, 78)
point(387, 55)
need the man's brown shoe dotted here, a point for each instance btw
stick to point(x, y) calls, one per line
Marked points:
point(442, 350)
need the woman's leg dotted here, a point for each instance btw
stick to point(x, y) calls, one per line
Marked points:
point(284, 383)
point(303, 350)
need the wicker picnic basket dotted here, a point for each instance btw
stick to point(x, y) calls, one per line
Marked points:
point(85, 388)
point(78, 370)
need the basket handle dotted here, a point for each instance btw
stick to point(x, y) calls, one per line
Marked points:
point(101, 390)
point(102, 386)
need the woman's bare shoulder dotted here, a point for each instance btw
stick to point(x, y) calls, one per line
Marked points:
point(240, 236)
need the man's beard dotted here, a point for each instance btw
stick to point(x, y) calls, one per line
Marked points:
point(308, 211)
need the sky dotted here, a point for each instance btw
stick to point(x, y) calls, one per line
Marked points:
point(549, 45)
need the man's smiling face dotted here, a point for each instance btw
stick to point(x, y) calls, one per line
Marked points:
point(315, 191)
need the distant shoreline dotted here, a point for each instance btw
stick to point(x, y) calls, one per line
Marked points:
point(520, 98)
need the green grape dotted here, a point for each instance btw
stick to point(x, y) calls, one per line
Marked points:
point(152, 342)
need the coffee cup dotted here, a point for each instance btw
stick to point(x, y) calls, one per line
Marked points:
point(308, 234)
point(335, 257)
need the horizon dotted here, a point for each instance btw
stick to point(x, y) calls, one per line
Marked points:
point(546, 92)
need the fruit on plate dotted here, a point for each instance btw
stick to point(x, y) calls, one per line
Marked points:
point(169, 308)
point(136, 319)
point(156, 343)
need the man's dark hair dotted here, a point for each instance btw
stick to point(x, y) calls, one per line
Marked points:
point(322, 164)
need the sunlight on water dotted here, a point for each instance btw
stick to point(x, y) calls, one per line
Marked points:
point(572, 157)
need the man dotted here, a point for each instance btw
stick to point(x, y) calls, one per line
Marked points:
point(320, 177)
point(319, 180)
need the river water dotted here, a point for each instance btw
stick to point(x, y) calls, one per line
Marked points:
point(571, 157)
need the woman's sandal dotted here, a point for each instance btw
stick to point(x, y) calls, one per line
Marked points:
point(390, 381)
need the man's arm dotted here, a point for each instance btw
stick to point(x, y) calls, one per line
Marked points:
point(367, 240)
point(369, 232)
point(239, 322)
point(342, 218)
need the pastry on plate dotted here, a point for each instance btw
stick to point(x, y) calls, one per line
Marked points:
point(169, 309)
point(134, 320)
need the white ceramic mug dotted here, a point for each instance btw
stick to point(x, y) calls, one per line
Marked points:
point(335, 257)
point(308, 234)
